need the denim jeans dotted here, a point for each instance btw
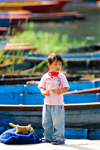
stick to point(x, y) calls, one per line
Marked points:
point(53, 122)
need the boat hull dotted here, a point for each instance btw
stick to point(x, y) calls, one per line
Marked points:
point(84, 116)
point(35, 7)
point(23, 105)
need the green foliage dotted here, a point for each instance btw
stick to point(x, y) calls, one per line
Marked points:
point(39, 66)
point(47, 42)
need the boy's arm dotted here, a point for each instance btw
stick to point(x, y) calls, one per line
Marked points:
point(44, 92)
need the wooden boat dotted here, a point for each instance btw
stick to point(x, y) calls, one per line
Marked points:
point(14, 48)
point(69, 57)
point(17, 46)
point(15, 13)
point(75, 64)
point(98, 2)
point(14, 79)
point(19, 81)
point(87, 48)
point(95, 54)
point(23, 105)
point(56, 16)
point(13, 18)
point(75, 88)
point(61, 4)
point(89, 64)
point(3, 30)
point(33, 6)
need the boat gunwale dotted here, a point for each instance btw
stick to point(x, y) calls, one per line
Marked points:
point(39, 107)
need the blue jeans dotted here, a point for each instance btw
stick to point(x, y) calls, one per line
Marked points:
point(53, 122)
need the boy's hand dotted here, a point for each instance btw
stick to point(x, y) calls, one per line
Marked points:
point(54, 91)
point(44, 92)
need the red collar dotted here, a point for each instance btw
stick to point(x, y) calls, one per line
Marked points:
point(55, 74)
point(51, 74)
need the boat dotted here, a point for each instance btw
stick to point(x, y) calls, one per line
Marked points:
point(86, 48)
point(55, 16)
point(98, 2)
point(23, 105)
point(32, 88)
point(60, 5)
point(69, 57)
point(20, 77)
point(33, 6)
point(13, 48)
point(93, 3)
point(95, 54)
point(3, 30)
point(13, 18)
point(73, 64)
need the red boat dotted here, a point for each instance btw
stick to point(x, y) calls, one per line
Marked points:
point(35, 6)
point(60, 5)
point(13, 17)
point(3, 30)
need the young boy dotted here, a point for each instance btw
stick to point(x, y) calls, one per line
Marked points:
point(53, 84)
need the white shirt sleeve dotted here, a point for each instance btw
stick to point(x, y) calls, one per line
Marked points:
point(42, 83)
point(64, 82)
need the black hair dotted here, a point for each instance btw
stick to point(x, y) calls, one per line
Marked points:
point(52, 57)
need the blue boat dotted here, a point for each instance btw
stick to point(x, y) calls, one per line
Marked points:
point(71, 65)
point(56, 17)
point(22, 104)
point(8, 19)
point(81, 118)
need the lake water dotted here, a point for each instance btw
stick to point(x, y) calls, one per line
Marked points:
point(88, 29)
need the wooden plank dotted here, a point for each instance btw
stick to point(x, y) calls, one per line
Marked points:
point(19, 81)
point(92, 90)
point(21, 117)
point(81, 98)
point(81, 85)
point(80, 117)
point(38, 99)
point(83, 118)
point(75, 58)
point(12, 89)
point(22, 48)
point(39, 107)
point(33, 87)
point(70, 133)
point(37, 7)
point(8, 99)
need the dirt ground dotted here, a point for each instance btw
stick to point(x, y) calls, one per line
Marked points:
point(69, 145)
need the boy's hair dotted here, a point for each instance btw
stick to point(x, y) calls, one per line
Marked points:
point(52, 57)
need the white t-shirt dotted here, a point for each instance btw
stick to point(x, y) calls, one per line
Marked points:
point(49, 83)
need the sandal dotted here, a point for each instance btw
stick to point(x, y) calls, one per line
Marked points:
point(58, 142)
point(44, 140)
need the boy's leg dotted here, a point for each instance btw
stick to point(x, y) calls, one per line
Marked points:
point(58, 117)
point(47, 122)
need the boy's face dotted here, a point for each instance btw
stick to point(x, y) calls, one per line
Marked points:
point(55, 66)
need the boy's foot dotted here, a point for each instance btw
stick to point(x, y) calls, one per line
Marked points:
point(57, 142)
point(44, 140)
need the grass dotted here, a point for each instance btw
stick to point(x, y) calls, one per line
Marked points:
point(47, 42)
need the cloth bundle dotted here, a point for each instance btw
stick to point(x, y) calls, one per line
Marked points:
point(10, 137)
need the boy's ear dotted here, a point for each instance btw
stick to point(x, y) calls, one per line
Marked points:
point(48, 65)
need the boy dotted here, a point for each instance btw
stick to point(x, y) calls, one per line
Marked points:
point(53, 84)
